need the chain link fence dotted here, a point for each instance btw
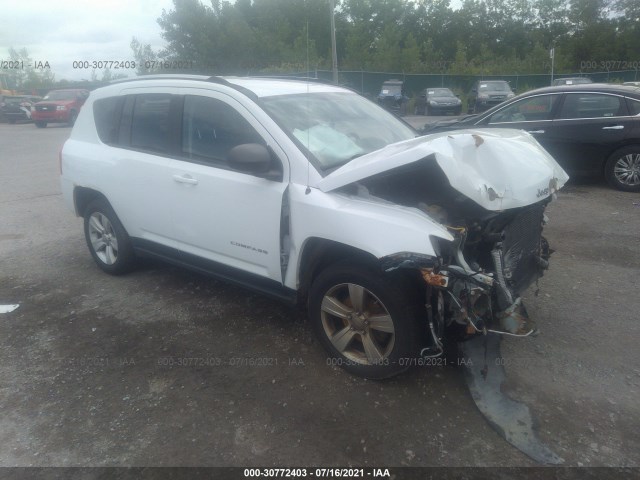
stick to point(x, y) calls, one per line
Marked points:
point(369, 83)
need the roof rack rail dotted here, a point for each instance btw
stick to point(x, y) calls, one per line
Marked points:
point(185, 76)
point(291, 77)
point(163, 76)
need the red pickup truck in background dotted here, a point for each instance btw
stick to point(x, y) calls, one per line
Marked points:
point(59, 106)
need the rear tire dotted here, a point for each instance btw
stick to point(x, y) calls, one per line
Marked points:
point(366, 321)
point(108, 241)
point(622, 169)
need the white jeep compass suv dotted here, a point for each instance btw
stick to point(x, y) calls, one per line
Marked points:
point(315, 195)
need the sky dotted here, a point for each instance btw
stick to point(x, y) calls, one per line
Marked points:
point(63, 31)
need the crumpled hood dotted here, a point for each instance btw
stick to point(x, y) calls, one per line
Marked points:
point(496, 168)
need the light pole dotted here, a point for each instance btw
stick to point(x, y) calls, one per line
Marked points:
point(334, 54)
point(552, 54)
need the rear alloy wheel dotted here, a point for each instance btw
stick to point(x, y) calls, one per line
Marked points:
point(622, 169)
point(368, 323)
point(107, 239)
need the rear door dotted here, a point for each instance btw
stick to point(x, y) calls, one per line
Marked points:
point(588, 127)
point(134, 173)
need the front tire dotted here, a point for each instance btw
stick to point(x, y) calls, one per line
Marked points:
point(72, 118)
point(622, 169)
point(108, 241)
point(41, 124)
point(368, 324)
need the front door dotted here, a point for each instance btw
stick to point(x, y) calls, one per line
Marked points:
point(219, 214)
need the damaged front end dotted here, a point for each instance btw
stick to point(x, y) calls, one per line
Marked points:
point(488, 265)
point(489, 190)
point(473, 294)
point(474, 286)
point(484, 195)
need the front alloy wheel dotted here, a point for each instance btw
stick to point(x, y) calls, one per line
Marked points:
point(622, 170)
point(357, 323)
point(368, 322)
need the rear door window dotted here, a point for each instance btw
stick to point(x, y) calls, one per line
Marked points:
point(150, 122)
point(592, 105)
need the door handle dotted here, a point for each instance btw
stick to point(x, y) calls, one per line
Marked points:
point(185, 179)
point(535, 131)
point(615, 127)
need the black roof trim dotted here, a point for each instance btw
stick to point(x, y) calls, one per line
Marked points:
point(223, 81)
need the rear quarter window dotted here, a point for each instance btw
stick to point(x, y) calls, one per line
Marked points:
point(634, 106)
point(106, 114)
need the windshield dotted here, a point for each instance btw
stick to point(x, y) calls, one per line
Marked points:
point(60, 95)
point(440, 92)
point(333, 128)
point(495, 87)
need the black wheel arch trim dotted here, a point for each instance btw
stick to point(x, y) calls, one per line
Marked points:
point(83, 196)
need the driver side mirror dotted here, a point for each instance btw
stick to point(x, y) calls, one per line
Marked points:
point(254, 159)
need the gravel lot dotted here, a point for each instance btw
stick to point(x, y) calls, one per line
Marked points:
point(165, 367)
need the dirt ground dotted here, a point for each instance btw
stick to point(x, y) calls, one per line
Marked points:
point(168, 368)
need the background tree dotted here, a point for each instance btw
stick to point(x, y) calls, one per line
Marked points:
point(411, 36)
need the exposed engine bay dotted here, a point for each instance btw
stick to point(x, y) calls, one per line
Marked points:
point(475, 283)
